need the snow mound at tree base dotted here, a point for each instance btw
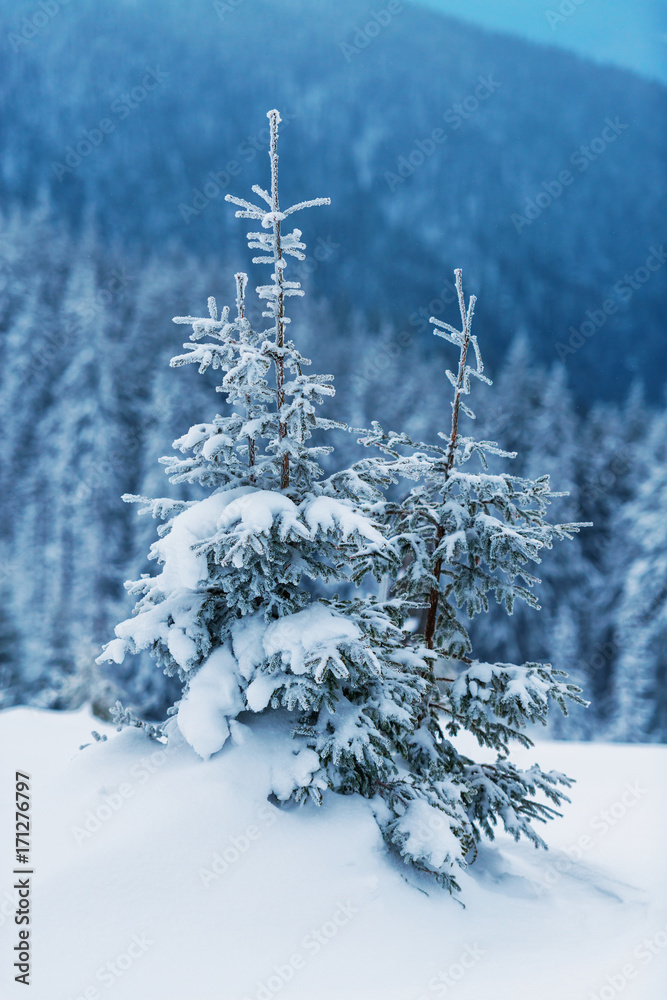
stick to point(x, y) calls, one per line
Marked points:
point(159, 874)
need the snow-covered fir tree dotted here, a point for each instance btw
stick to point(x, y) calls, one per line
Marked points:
point(461, 536)
point(236, 611)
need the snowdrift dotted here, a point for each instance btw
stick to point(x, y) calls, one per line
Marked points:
point(158, 874)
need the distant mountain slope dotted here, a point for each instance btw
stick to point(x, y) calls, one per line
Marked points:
point(429, 135)
point(609, 32)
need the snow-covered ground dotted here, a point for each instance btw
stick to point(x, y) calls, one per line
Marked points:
point(160, 875)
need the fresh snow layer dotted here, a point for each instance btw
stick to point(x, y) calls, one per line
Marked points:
point(158, 874)
point(183, 567)
point(172, 607)
point(214, 694)
point(213, 697)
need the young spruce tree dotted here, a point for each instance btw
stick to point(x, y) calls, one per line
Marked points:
point(461, 536)
point(357, 695)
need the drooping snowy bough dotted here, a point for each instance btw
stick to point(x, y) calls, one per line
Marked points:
point(369, 702)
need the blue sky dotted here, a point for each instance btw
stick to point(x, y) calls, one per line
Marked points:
point(629, 33)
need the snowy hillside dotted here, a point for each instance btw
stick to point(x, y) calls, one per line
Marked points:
point(160, 875)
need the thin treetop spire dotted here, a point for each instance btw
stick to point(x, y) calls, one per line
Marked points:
point(462, 339)
point(275, 246)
